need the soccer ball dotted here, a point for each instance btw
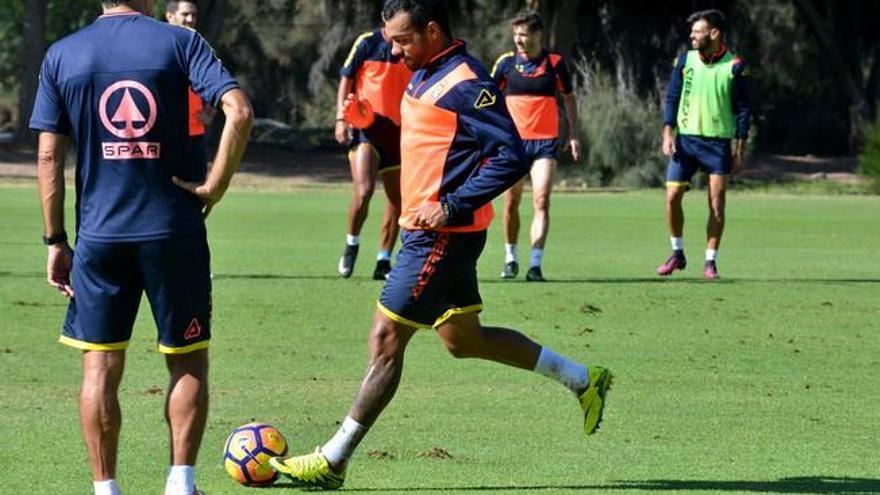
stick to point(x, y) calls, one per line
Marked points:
point(247, 453)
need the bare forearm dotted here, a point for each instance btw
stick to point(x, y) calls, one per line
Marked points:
point(233, 141)
point(345, 85)
point(50, 180)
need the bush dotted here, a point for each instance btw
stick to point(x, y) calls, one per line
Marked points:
point(869, 158)
point(621, 133)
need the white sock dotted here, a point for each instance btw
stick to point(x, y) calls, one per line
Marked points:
point(340, 448)
point(711, 254)
point(181, 480)
point(573, 375)
point(383, 254)
point(106, 487)
point(510, 253)
point(677, 243)
point(537, 255)
point(352, 240)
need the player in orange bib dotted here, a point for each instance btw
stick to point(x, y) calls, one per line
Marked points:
point(531, 78)
point(186, 14)
point(372, 81)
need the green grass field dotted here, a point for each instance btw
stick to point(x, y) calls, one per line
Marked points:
point(764, 382)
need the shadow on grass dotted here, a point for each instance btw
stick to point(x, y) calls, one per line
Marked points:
point(805, 484)
point(682, 280)
point(802, 484)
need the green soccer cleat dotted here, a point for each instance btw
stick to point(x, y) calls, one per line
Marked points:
point(593, 399)
point(309, 470)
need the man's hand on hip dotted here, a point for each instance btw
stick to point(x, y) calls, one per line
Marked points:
point(210, 195)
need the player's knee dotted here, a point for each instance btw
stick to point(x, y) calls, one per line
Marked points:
point(459, 350)
point(385, 343)
point(674, 196)
point(393, 211)
point(511, 206)
point(461, 346)
point(541, 204)
point(193, 363)
point(364, 193)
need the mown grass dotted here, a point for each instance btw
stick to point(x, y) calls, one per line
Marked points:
point(764, 382)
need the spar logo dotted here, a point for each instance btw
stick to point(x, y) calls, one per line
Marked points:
point(128, 111)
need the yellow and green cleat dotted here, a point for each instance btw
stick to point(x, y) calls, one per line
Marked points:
point(593, 399)
point(309, 470)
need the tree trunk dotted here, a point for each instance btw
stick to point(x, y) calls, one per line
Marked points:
point(32, 56)
point(872, 88)
point(211, 17)
point(345, 20)
point(560, 26)
point(859, 109)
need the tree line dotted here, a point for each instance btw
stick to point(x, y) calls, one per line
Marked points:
point(815, 64)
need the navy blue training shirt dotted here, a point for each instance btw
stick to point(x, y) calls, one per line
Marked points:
point(119, 87)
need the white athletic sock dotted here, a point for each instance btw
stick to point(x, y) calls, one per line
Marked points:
point(573, 375)
point(383, 254)
point(677, 243)
point(106, 487)
point(340, 448)
point(711, 254)
point(510, 253)
point(537, 255)
point(352, 240)
point(181, 480)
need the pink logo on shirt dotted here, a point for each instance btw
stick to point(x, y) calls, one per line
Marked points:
point(128, 122)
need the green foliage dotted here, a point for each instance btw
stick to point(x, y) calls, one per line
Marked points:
point(621, 133)
point(869, 158)
point(62, 18)
point(11, 17)
point(320, 111)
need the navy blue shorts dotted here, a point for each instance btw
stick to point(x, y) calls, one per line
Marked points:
point(540, 148)
point(712, 155)
point(434, 278)
point(108, 281)
point(384, 137)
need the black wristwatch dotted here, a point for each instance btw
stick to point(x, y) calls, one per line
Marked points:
point(55, 238)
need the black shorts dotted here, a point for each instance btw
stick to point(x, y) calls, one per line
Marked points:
point(384, 138)
point(434, 278)
point(109, 278)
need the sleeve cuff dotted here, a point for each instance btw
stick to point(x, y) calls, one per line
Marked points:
point(454, 216)
point(46, 127)
point(222, 90)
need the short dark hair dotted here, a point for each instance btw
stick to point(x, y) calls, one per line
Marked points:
point(421, 12)
point(171, 6)
point(113, 3)
point(530, 19)
point(714, 17)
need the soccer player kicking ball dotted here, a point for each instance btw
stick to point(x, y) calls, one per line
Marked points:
point(372, 81)
point(708, 101)
point(119, 88)
point(460, 150)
